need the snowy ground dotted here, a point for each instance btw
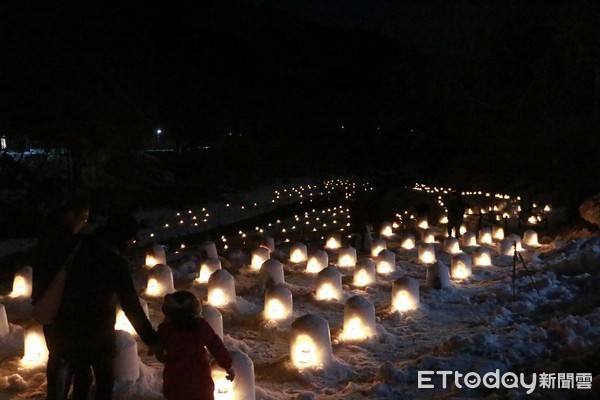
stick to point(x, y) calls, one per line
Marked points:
point(550, 326)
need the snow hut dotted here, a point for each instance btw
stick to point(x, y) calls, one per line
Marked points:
point(214, 319)
point(405, 294)
point(506, 247)
point(427, 253)
point(259, 256)
point(298, 253)
point(333, 241)
point(461, 266)
point(278, 303)
point(386, 262)
point(221, 288)
point(438, 276)
point(122, 323)
point(530, 238)
point(268, 243)
point(317, 261)
point(428, 236)
point(482, 257)
point(4, 327)
point(329, 284)
point(423, 223)
point(310, 342)
point(242, 387)
point(126, 364)
point(408, 242)
point(207, 267)
point(272, 271)
point(155, 254)
point(160, 281)
point(359, 319)
point(451, 245)
point(485, 235)
point(209, 248)
point(22, 284)
point(364, 273)
point(386, 229)
point(378, 245)
point(469, 239)
point(36, 351)
point(498, 233)
point(347, 257)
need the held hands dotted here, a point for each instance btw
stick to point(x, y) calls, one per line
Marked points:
point(230, 374)
point(157, 351)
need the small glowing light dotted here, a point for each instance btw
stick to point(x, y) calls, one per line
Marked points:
point(305, 352)
point(460, 271)
point(36, 352)
point(326, 292)
point(275, 309)
point(153, 288)
point(217, 297)
point(355, 329)
point(408, 243)
point(21, 287)
point(403, 301)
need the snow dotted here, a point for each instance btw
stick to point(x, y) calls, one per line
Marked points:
point(547, 322)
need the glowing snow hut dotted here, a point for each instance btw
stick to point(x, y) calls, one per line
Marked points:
point(329, 284)
point(386, 262)
point(428, 236)
point(451, 245)
point(207, 267)
point(298, 253)
point(405, 294)
point(36, 351)
point(408, 242)
point(155, 254)
point(485, 235)
point(347, 257)
point(482, 257)
point(242, 387)
point(221, 288)
point(278, 303)
point(461, 266)
point(333, 241)
point(377, 246)
point(160, 281)
point(469, 239)
point(386, 229)
point(317, 261)
point(310, 342)
point(498, 233)
point(259, 256)
point(122, 323)
point(364, 273)
point(22, 284)
point(530, 238)
point(427, 253)
point(359, 319)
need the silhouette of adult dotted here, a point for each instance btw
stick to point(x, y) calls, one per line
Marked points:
point(456, 209)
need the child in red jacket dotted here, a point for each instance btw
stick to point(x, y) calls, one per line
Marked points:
point(185, 337)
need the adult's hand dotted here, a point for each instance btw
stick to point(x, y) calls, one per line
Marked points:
point(157, 351)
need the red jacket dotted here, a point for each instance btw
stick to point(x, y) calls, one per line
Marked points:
point(187, 372)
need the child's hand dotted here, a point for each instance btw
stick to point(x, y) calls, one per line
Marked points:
point(230, 374)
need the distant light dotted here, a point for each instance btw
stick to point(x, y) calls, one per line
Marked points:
point(158, 131)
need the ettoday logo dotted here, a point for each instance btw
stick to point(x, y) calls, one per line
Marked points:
point(491, 380)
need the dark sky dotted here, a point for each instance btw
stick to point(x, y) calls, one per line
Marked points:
point(410, 76)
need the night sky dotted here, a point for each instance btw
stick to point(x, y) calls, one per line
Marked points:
point(453, 83)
